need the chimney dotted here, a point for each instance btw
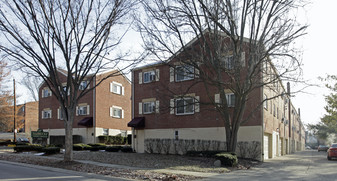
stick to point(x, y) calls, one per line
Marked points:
point(288, 88)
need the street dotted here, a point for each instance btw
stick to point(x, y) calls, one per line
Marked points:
point(304, 165)
point(11, 171)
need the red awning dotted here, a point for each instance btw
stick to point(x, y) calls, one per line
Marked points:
point(88, 122)
point(137, 122)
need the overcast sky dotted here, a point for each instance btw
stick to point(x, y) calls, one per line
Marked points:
point(319, 47)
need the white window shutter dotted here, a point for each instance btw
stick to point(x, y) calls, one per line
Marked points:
point(76, 110)
point(172, 106)
point(111, 86)
point(157, 74)
point(42, 115)
point(42, 92)
point(122, 114)
point(196, 72)
point(51, 93)
point(197, 105)
point(51, 114)
point(88, 109)
point(217, 98)
point(157, 106)
point(243, 59)
point(140, 77)
point(140, 108)
point(171, 74)
point(58, 113)
point(123, 91)
point(88, 85)
point(111, 111)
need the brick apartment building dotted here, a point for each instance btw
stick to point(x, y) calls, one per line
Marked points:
point(161, 116)
point(103, 111)
point(29, 114)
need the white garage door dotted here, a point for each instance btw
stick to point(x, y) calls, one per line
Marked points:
point(265, 147)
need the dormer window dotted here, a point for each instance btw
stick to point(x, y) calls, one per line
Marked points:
point(46, 92)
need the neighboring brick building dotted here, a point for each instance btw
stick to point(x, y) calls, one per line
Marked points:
point(28, 115)
point(161, 116)
point(103, 111)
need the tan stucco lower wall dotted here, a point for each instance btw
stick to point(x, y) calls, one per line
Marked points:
point(246, 133)
point(88, 134)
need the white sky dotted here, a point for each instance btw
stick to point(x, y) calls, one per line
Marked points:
point(318, 58)
point(319, 47)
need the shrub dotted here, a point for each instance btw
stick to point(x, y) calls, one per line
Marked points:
point(96, 148)
point(113, 148)
point(114, 140)
point(5, 142)
point(227, 159)
point(51, 150)
point(126, 149)
point(28, 147)
point(80, 147)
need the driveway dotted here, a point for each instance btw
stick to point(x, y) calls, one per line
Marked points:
point(305, 165)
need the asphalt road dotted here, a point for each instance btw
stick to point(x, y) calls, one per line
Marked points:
point(305, 165)
point(10, 171)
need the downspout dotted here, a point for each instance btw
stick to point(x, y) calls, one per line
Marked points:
point(262, 122)
point(132, 109)
point(94, 109)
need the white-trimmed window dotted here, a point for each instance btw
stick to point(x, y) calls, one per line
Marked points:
point(116, 112)
point(84, 85)
point(46, 92)
point(228, 62)
point(149, 107)
point(230, 99)
point(46, 114)
point(184, 106)
point(149, 76)
point(82, 110)
point(184, 72)
point(116, 88)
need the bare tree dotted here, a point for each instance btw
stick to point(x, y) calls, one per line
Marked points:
point(228, 43)
point(81, 37)
point(32, 84)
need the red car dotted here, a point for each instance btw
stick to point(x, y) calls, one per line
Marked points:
point(332, 151)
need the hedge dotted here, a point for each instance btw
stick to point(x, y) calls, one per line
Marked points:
point(51, 150)
point(114, 140)
point(29, 147)
point(113, 148)
point(227, 159)
point(203, 153)
point(127, 149)
point(80, 147)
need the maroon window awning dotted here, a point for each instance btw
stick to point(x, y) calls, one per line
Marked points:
point(87, 121)
point(137, 122)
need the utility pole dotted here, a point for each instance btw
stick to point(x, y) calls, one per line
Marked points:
point(14, 111)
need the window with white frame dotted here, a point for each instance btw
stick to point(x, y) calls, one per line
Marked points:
point(46, 92)
point(116, 112)
point(185, 106)
point(149, 107)
point(184, 72)
point(83, 85)
point(46, 114)
point(228, 62)
point(230, 100)
point(116, 88)
point(82, 110)
point(149, 76)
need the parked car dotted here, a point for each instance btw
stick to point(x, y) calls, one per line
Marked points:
point(323, 148)
point(22, 140)
point(332, 151)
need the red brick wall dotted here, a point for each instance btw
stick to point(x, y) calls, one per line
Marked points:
point(164, 90)
point(106, 99)
point(103, 100)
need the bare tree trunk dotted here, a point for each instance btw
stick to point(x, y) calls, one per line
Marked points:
point(68, 155)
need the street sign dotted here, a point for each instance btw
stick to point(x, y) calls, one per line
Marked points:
point(39, 134)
